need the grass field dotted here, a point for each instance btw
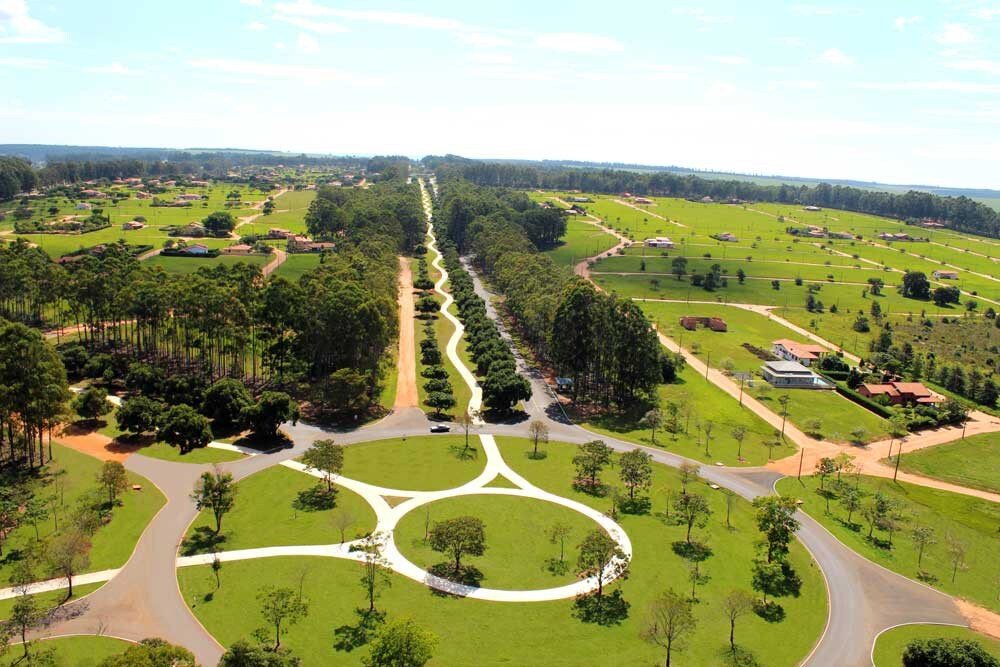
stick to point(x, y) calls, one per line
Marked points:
point(581, 240)
point(113, 543)
point(837, 415)
point(518, 550)
point(698, 401)
point(163, 451)
point(418, 463)
point(296, 266)
point(184, 265)
point(890, 644)
point(484, 629)
point(81, 651)
point(967, 520)
point(265, 514)
point(973, 462)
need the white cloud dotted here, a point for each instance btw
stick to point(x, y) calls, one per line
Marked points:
point(492, 58)
point(309, 8)
point(986, 13)
point(813, 10)
point(664, 71)
point(24, 63)
point(113, 68)
point(307, 44)
point(730, 60)
point(252, 3)
point(270, 70)
point(904, 21)
point(700, 15)
point(319, 27)
point(16, 27)
point(986, 66)
point(578, 42)
point(955, 33)
point(937, 86)
point(279, 45)
point(256, 26)
point(837, 57)
point(483, 40)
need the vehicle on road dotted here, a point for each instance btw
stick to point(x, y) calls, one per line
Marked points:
point(440, 428)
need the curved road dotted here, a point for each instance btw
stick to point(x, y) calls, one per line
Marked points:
point(143, 600)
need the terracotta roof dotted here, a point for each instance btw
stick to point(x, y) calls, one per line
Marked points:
point(801, 350)
point(886, 389)
point(915, 388)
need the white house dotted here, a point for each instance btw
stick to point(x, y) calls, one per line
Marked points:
point(659, 242)
point(803, 353)
point(792, 375)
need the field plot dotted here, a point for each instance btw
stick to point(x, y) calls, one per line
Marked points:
point(183, 265)
point(581, 240)
point(973, 462)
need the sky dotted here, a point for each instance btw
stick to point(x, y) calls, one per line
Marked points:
point(892, 91)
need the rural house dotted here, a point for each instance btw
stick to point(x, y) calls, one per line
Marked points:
point(659, 242)
point(803, 353)
point(901, 393)
point(237, 249)
point(195, 249)
point(792, 375)
point(945, 275)
point(725, 236)
point(714, 323)
point(131, 225)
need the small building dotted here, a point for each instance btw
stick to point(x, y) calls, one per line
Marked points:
point(94, 194)
point(707, 200)
point(83, 206)
point(901, 236)
point(643, 200)
point(803, 353)
point(189, 197)
point(811, 208)
point(714, 323)
point(143, 195)
point(725, 236)
point(945, 275)
point(792, 375)
point(169, 184)
point(278, 233)
point(564, 385)
point(901, 393)
point(659, 242)
point(195, 249)
point(132, 225)
point(199, 184)
point(579, 200)
point(238, 249)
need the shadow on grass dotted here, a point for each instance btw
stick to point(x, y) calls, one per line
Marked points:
point(540, 455)
point(772, 612)
point(509, 417)
point(315, 499)
point(692, 551)
point(349, 637)
point(265, 443)
point(467, 575)
point(202, 541)
point(463, 453)
point(640, 505)
point(556, 567)
point(738, 657)
point(605, 610)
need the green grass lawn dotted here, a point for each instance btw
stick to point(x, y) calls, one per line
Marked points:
point(184, 265)
point(296, 266)
point(419, 463)
point(971, 521)
point(518, 549)
point(113, 543)
point(837, 416)
point(50, 599)
point(973, 462)
point(699, 401)
point(163, 451)
point(79, 651)
point(890, 644)
point(265, 514)
point(580, 240)
point(469, 627)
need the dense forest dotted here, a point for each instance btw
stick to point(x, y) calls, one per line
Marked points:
point(960, 213)
point(605, 343)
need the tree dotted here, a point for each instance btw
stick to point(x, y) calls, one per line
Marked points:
point(440, 401)
point(281, 607)
point(767, 577)
point(538, 432)
point(272, 410)
point(225, 402)
point(947, 652)
point(138, 415)
point(504, 388)
point(691, 510)
point(735, 604)
point(219, 223)
point(593, 456)
point(245, 654)
point(215, 491)
point(923, 537)
point(342, 520)
point(91, 403)
point(158, 653)
point(824, 468)
point(653, 420)
point(182, 427)
point(784, 400)
point(739, 433)
point(24, 615)
point(915, 285)
point(68, 553)
point(946, 294)
point(706, 427)
point(850, 499)
point(668, 622)
point(558, 533)
point(466, 422)
point(636, 470)
point(375, 568)
point(775, 519)
point(600, 557)
point(113, 479)
point(956, 553)
point(687, 472)
point(326, 457)
point(457, 537)
point(678, 266)
point(401, 643)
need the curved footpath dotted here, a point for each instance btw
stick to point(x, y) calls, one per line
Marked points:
point(143, 600)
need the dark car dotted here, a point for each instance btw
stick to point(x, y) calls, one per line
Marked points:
point(440, 428)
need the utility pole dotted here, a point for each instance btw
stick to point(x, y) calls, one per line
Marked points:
point(802, 456)
point(708, 359)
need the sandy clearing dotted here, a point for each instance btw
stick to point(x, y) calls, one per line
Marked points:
point(406, 380)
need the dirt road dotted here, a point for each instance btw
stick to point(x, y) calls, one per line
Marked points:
point(406, 363)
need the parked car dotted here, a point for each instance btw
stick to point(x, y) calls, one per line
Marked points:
point(440, 428)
